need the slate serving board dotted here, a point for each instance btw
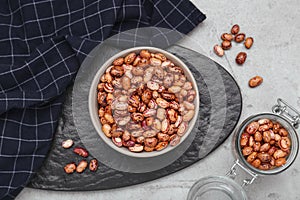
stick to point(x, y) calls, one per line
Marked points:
point(52, 177)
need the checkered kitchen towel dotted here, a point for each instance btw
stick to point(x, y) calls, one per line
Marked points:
point(42, 44)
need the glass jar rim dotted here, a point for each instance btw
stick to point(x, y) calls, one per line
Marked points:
point(215, 184)
point(293, 135)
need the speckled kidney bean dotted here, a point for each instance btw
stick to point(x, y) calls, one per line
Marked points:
point(161, 145)
point(172, 115)
point(241, 58)
point(227, 36)
point(117, 141)
point(70, 168)
point(235, 29)
point(81, 151)
point(162, 103)
point(136, 148)
point(138, 71)
point(247, 151)
point(239, 37)
point(174, 140)
point(117, 71)
point(168, 96)
point(283, 132)
point(67, 144)
point(149, 133)
point(248, 42)
point(252, 157)
point(162, 137)
point(258, 136)
point(263, 127)
point(279, 154)
point(81, 166)
point(244, 139)
point(252, 128)
point(280, 161)
point(265, 166)
point(272, 150)
point(126, 136)
point(126, 83)
point(265, 147)
point(168, 80)
point(142, 107)
point(284, 143)
point(182, 128)
point(174, 89)
point(137, 133)
point(148, 149)
point(188, 116)
point(118, 61)
point(226, 45)
point(256, 163)
point(267, 136)
point(130, 58)
point(145, 54)
point(165, 125)
point(251, 141)
point(256, 146)
point(93, 166)
point(140, 139)
point(277, 137)
point(129, 143)
point(218, 50)
point(151, 142)
point(264, 157)
point(109, 118)
point(255, 81)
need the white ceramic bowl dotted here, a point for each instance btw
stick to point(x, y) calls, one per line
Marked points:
point(93, 104)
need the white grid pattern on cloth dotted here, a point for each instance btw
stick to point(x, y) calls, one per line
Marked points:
point(40, 53)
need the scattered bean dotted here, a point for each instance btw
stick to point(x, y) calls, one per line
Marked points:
point(255, 81)
point(218, 50)
point(70, 168)
point(67, 143)
point(226, 45)
point(241, 58)
point(227, 36)
point(93, 166)
point(81, 166)
point(235, 29)
point(81, 151)
point(248, 42)
point(239, 37)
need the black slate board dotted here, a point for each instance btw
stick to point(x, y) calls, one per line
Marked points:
point(52, 177)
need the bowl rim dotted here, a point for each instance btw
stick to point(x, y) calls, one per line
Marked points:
point(95, 120)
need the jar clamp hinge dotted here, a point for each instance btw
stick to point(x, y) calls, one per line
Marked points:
point(287, 111)
point(232, 173)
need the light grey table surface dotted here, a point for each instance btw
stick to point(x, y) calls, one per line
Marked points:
point(275, 26)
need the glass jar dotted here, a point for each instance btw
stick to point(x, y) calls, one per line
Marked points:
point(224, 187)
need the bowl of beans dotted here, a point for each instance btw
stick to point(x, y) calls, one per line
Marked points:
point(267, 143)
point(144, 102)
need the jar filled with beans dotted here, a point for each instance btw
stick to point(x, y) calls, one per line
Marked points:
point(265, 144)
point(268, 143)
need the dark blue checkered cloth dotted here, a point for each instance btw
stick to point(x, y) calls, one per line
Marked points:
point(42, 44)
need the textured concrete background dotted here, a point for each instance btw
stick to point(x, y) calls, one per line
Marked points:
point(275, 56)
